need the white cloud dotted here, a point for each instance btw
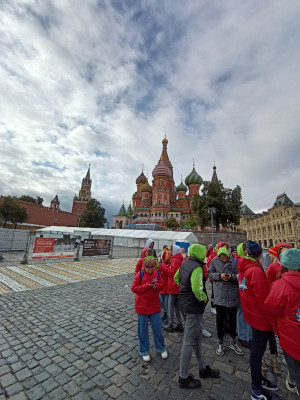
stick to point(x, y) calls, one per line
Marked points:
point(88, 83)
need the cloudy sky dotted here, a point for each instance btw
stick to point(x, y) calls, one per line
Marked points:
point(99, 82)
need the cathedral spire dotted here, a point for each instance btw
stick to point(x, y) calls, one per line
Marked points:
point(214, 178)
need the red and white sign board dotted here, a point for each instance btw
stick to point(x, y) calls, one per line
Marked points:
point(53, 248)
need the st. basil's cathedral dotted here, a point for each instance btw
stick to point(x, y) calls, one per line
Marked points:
point(163, 200)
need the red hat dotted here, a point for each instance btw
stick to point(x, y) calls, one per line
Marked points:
point(280, 245)
point(283, 244)
point(273, 251)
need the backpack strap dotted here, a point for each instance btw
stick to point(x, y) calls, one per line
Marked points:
point(142, 274)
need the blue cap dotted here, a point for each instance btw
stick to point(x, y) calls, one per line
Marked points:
point(291, 259)
point(254, 249)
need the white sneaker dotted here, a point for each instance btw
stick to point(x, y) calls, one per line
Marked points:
point(236, 348)
point(220, 350)
point(146, 358)
point(164, 354)
point(206, 333)
point(213, 310)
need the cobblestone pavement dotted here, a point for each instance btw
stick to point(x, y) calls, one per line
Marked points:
point(16, 278)
point(79, 341)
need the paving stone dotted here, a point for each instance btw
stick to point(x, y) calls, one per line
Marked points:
point(7, 380)
point(63, 378)
point(57, 394)
point(29, 383)
point(14, 389)
point(5, 369)
point(113, 391)
point(122, 370)
point(53, 369)
point(71, 388)
point(23, 374)
point(19, 396)
point(101, 381)
point(98, 395)
point(129, 388)
point(35, 393)
point(50, 384)
point(72, 371)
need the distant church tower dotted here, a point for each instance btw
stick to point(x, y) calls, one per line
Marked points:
point(80, 201)
point(55, 203)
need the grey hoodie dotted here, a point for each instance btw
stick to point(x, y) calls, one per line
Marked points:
point(226, 292)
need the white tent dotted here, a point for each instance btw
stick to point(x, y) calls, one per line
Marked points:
point(122, 237)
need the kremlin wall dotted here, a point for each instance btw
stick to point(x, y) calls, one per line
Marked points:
point(53, 215)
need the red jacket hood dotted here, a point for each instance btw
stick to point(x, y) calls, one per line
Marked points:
point(220, 244)
point(291, 278)
point(144, 253)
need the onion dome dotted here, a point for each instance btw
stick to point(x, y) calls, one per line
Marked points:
point(161, 169)
point(181, 188)
point(146, 187)
point(141, 179)
point(165, 140)
point(193, 178)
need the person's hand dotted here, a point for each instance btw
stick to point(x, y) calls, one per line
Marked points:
point(225, 277)
point(152, 285)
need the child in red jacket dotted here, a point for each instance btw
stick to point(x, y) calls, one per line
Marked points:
point(170, 270)
point(254, 289)
point(146, 285)
point(283, 302)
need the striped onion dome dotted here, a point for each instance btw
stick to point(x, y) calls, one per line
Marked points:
point(181, 188)
point(193, 178)
point(146, 187)
point(141, 179)
point(161, 169)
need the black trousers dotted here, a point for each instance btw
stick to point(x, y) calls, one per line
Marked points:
point(222, 313)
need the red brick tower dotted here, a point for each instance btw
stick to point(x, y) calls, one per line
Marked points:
point(164, 193)
point(137, 196)
point(80, 201)
point(55, 203)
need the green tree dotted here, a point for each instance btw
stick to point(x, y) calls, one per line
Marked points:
point(39, 200)
point(191, 222)
point(11, 211)
point(93, 215)
point(226, 202)
point(171, 223)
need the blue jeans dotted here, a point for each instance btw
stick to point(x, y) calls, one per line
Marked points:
point(294, 369)
point(244, 329)
point(258, 347)
point(164, 300)
point(143, 333)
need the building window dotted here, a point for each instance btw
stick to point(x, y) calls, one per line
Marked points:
point(159, 214)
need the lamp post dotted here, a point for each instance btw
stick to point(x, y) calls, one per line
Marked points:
point(212, 211)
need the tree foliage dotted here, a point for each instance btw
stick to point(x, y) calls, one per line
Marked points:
point(226, 202)
point(12, 212)
point(93, 215)
point(190, 222)
point(171, 223)
point(39, 200)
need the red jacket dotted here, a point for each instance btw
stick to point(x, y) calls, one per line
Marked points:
point(253, 289)
point(139, 264)
point(273, 272)
point(283, 302)
point(171, 270)
point(147, 299)
point(164, 279)
point(214, 254)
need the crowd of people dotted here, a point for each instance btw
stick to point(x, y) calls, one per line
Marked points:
point(252, 304)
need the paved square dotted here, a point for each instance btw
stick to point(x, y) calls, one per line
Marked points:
point(79, 341)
